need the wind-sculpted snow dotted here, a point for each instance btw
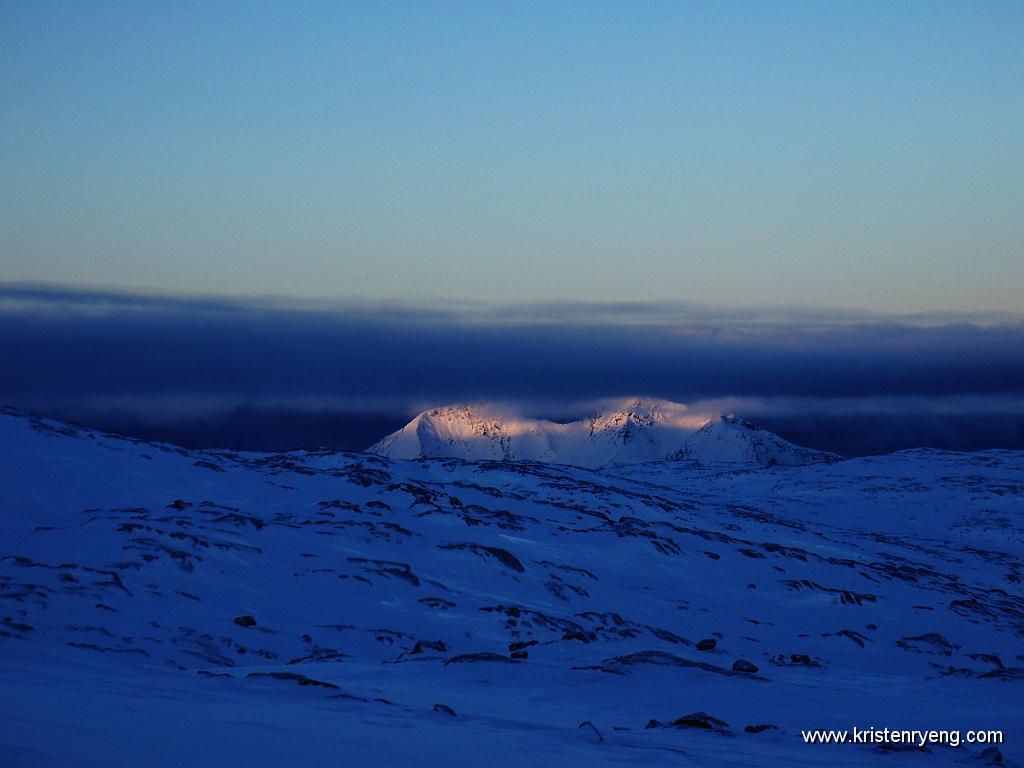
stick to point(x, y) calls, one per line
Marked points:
point(168, 607)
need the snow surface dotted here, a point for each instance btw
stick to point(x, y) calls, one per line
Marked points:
point(732, 440)
point(170, 607)
point(632, 431)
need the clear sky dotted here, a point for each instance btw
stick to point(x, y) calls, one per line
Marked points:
point(836, 154)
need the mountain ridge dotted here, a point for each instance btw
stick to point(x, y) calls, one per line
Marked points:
point(637, 430)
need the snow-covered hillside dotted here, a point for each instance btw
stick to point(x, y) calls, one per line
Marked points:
point(732, 440)
point(161, 607)
point(632, 431)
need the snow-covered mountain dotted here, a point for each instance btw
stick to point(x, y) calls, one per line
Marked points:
point(631, 431)
point(472, 432)
point(732, 440)
point(166, 607)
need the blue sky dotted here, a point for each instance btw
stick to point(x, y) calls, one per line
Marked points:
point(831, 154)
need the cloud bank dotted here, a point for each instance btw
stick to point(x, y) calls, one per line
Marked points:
point(90, 355)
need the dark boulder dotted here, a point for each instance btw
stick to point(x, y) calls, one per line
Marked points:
point(433, 645)
point(992, 755)
point(701, 720)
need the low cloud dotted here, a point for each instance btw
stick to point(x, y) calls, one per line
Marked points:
point(165, 359)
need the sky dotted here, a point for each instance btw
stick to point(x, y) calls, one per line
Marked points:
point(280, 225)
point(831, 155)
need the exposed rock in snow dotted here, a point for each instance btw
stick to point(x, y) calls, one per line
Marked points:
point(155, 612)
point(633, 431)
point(474, 432)
point(732, 440)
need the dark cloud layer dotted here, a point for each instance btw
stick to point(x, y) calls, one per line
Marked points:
point(246, 427)
point(94, 355)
